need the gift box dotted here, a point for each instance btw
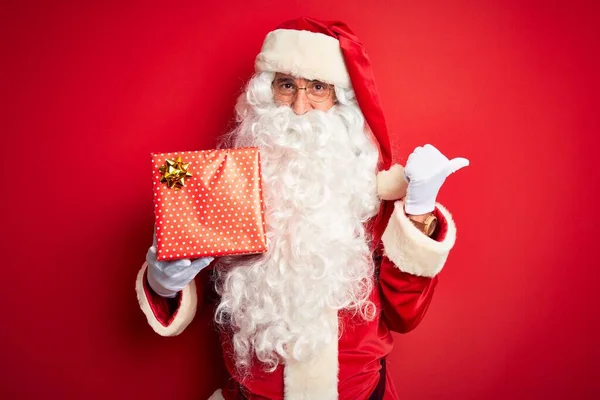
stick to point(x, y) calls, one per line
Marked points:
point(208, 203)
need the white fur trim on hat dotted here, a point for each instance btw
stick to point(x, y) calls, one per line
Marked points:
point(303, 54)
point(185, 312)
point(217, 395)
point(410, 249)
point(391, 184)
point(317, 378)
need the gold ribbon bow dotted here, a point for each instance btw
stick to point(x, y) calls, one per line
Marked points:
point(174, 173)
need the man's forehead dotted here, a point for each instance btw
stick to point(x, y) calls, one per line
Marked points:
point(284, 76)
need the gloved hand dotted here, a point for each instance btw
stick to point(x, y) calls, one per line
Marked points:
point(167, 278)
point(426, 170)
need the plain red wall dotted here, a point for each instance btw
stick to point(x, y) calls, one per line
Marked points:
point(91, 88)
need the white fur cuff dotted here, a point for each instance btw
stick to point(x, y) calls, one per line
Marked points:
point(303, 54)
point(184, 314)
point(412, 251)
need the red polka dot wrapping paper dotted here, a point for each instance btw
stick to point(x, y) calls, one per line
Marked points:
point(219, 211)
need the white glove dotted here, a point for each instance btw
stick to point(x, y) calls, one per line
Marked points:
point(426, 170)
point(167, 278)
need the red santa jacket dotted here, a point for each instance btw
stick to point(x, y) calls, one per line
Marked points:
point(349, 368)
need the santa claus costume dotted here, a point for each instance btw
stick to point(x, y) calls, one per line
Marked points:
point(313, 317)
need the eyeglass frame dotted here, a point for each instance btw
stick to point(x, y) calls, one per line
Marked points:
point(330, 88)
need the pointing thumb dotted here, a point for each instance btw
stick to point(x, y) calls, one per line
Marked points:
point(456, 164)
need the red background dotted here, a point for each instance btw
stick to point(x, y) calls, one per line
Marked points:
point(91, 88)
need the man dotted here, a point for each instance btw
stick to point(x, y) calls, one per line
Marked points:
point(312, 317)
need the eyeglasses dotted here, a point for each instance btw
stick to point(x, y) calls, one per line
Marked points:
point(286, 90)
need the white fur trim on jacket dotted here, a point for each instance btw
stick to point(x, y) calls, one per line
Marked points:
point(411, 250)
point(185, 312)
point(317, 378)
point(217, 395)
point(303, 54)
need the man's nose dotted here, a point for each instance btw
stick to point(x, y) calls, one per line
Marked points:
point(301, 104)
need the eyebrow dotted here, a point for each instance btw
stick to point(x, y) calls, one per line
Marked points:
point(292, 79)
point(284, 78)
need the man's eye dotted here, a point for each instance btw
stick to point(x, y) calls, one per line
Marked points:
point(286, 86)
point(319, 87)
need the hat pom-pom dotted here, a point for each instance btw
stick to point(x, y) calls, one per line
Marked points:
point(391, 184)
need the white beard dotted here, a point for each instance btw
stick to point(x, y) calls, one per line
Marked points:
point(319, 185)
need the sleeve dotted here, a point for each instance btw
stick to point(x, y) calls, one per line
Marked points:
point(168, 317)
point(409, 266)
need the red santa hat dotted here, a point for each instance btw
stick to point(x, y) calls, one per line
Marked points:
point(330, 52)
